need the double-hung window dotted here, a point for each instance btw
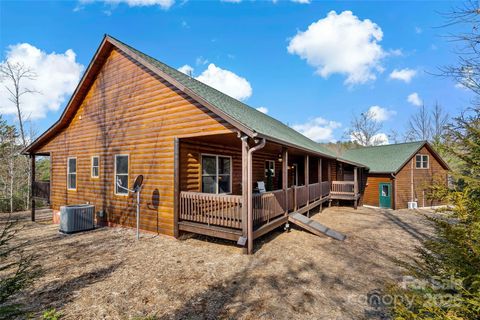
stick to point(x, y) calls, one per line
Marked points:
point(421, 161)
point(95, 167)
point(216, 174)
point(72, 173)
point(121, 174)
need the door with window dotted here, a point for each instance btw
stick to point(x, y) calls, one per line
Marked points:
point(385, 195)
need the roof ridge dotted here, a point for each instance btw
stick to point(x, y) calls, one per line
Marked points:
point(388, 145)
point(191, 83)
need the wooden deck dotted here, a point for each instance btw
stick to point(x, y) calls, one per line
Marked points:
point(221, 215)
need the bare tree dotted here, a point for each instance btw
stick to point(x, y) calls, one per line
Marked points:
point(364, 129)
point(439, 123)
point(13, 76)
point(466, 72)
point(420, 125)
point(427, 124)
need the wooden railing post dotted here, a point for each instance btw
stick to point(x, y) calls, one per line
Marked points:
point(285, 177)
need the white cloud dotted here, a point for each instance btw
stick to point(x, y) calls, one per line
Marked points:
point(405, 75)
point(341, 43)
point(164, 4)
point(376, 140)
point(318, 129)
point(380, 114)
point(302, 1)
point(57, 75)
point(226, 81)
point(231, 1)
point(414, 99)
point(188, 70)
point(262, 109)
point(418, 30)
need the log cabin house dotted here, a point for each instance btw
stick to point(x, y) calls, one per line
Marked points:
point(400, 173)
point(201, 152)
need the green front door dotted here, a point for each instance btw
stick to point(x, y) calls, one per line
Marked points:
point(385, 195)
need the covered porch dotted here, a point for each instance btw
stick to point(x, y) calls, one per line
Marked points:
point(219, 185)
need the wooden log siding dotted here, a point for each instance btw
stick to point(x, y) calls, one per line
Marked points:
point(128, 110)
point(423, 179)
point(211, 209)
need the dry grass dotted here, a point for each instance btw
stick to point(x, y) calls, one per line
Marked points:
point(106, 274)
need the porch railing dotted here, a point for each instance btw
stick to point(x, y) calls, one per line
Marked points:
point(267, 206)
point(41, 189)
point(211, 209)
point(226, 210)
point(325, 188)
point(343, 187)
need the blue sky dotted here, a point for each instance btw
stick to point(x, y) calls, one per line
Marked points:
point(249, 42)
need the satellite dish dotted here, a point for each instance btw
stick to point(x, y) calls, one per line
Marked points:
point(138, 183)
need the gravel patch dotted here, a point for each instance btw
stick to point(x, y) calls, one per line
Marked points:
point(106, 274)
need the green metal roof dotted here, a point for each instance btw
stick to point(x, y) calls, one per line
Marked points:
point(249, 117)
point(385, 159)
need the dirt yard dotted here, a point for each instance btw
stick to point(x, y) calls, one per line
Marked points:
point(106, 274)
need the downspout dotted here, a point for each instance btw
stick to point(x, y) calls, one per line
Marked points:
point(250, 194)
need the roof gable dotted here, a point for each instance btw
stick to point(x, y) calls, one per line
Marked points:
point(389, 158)
point(240, 115)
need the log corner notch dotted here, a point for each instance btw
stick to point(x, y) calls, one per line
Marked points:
point(32, 185)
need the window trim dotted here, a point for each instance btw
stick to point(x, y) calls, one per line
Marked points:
point(216, 170)
point(98, 167)
point(270, 161)
point(115, 174)
point(68, 173)
point(421, 161)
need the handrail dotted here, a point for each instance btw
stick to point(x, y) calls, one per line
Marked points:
point(212, 209)
point(343, 187)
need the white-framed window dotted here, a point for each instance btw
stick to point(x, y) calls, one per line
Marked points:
point(216, 174)
point(121, 174)
point(72, 173)
point(270, 167)
point(95, 166)
point(421, 161)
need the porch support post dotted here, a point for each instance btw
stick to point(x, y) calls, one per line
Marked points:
point(330, 172)
point(32, 178)
point(250, 195)
point(176, 185)
point(244, 187)
point(307, 182)
point(285, 177)
point(355, 184)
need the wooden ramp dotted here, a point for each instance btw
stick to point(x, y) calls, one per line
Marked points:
point(314, 226)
